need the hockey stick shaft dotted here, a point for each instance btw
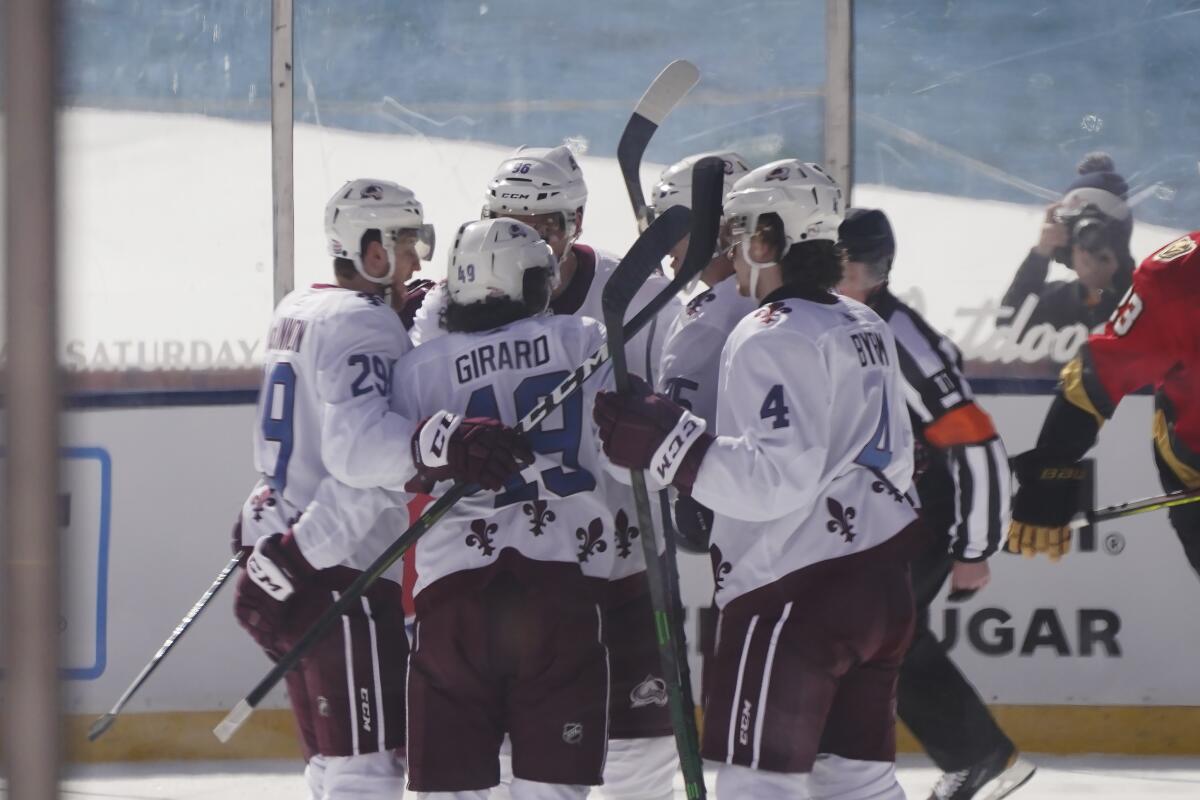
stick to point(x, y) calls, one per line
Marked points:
point(664, 93)
point(668, 625)
point(104, 722)
point(650, 249)
point(1132, 507)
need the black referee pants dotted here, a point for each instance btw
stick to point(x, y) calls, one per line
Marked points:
point(936, 702)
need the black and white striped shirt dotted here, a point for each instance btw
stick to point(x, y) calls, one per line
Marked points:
point(964, 485)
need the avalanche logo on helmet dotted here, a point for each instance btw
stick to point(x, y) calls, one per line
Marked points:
point(778, 174)
point(372, 192)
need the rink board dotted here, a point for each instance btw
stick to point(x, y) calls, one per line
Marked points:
point(1094, 654)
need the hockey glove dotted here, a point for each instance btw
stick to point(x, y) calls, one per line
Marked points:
point(693, 523)
point(409, 304)
point(277, 566)
point(1046, 500)
point(647, 431)
point(477, 450)
point(275, 569)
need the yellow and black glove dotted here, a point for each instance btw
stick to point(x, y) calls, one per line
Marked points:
point(1048, 496)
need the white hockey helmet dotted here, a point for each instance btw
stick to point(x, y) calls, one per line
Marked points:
point(490, 258)
point(806, 199)
point(674, 187)
point(365, 204)
point(538, 180)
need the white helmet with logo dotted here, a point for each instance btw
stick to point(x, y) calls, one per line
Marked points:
point(490, 258)
point(538, 180)
point(365, 204)
point(674, 187)
point(806, 199)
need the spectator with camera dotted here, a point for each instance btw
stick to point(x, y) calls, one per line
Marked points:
point(1088, 231)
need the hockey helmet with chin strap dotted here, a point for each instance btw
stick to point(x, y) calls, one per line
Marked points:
point(807, 201)
point(490, 258)
point(538, 180)
point(369, 204)
point(674, 187)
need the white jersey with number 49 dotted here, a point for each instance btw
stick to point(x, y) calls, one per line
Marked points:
point(323, 409)
point(813, 458)
point(551, 511)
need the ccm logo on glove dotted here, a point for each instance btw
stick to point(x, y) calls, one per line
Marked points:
point(670, 453)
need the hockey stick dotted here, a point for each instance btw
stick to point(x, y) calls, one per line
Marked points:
point(104, 722)
point(645, 254)
point(707, 188)
point(661, 97)
point(1128, 509)
point(1106, 514)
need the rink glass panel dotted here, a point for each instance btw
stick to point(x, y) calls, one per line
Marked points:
point(971, 118)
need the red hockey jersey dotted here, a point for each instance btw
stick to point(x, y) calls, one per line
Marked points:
point(1152, 339)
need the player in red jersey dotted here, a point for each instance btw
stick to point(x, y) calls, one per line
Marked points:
point(1151, 339)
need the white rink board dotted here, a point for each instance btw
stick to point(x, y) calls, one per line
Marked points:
point(178, 476)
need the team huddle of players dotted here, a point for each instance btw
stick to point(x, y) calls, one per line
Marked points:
point(786, 425)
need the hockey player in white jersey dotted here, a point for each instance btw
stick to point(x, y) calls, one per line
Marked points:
point(691, 354)
point(809, 475)
point(545, 188)
point(324, 440)
point(509, 632)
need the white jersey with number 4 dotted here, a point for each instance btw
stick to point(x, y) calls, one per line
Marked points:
point(551, 511)
point(324, 416)
point(691, 354)
point(813, 458)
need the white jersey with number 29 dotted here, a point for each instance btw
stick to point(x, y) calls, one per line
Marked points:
point(323, 409)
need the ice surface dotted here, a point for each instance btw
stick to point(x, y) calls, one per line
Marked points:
point(1094, 777)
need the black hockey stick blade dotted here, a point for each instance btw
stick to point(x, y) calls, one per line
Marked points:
point(640, 261)
point(663, 94)
point(648, 251)
point(708, 186)
point(105, 721)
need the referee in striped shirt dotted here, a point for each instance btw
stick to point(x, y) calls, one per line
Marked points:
point(962, 478)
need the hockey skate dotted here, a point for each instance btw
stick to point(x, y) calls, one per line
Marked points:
point(997, 776)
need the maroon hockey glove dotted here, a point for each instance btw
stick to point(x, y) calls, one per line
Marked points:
point(478, 450)
point(414, 295)
point(277, 566)
point(647, 431)
point(275, 569)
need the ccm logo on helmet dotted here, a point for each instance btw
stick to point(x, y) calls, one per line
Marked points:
point(514, 196)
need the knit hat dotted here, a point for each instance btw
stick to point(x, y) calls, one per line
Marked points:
point(1099, 186)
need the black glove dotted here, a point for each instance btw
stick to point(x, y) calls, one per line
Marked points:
point(693, 523)
point(1048, 497)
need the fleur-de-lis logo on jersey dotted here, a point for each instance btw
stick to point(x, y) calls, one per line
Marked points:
point(482, 536)
point(592, 540)
point(539, 516)
point(721, 568)
point(693, 306)
point(625, 534)
point(884, 486)
point(840, 522)
point(262, 500)
point(772, 312)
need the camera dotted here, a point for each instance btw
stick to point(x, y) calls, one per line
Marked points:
point(1087, 227)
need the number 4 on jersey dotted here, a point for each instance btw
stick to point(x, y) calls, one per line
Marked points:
point(774, 408)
